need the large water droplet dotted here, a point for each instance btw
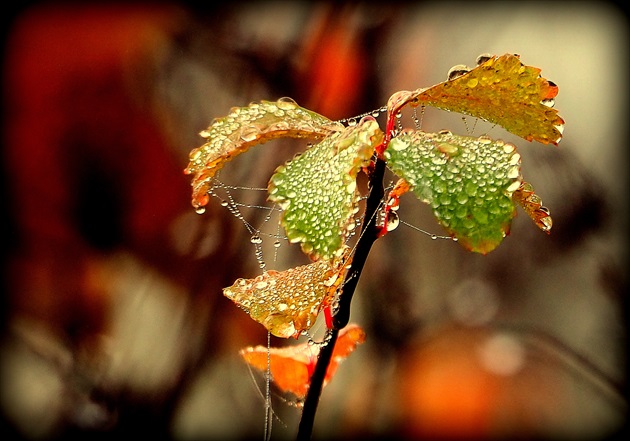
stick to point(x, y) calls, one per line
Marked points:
point(548, 102)
point(397, 144)
point(392, 221)
point(448, 149)
point(286, 103)
point(514, 172)
point(200, 210)
point(249, 134)
point(457, 71)
point(483, 58)
point(256, 239)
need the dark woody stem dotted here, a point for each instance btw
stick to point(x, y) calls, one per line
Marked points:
point(369, 234)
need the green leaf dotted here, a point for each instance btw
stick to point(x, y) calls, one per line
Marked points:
point(245, 127)
point(467, 181)
point(317, 190)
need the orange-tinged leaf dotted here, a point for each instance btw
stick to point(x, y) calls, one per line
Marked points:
point(245, 127)
point(532, 204)
point(292, 366)
point(501, 90)
point(288, 302)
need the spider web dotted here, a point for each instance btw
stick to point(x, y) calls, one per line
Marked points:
point(261, 221)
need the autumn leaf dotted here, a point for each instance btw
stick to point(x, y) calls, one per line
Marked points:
point(288, 302)
point(501, 90)
point(292, 366)
point(245, 127)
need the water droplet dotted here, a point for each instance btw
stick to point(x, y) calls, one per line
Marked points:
point(462, 198)
point(392, 221)
point(256, 239)
point(438, 160)
point(457, 71)
point(194, 154)
point(560, 128)
point(393, 203)
point(367, 119)
point(483, 58)
point(249, 134)
point(514, 172)
point(331, 280)
point(513, 186)
point(200, 210)
point(549, 102)
point(448, 149)
point(397, 144)
point(286, 103)
point(277, 244)
point(434, 236)
point(470, 188)
point(546, 223)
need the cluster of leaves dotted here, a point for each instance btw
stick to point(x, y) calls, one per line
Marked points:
point(471, 183)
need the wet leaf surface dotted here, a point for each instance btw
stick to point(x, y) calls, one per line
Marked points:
point(468, 182)
point(292, 366)
point(317, 190)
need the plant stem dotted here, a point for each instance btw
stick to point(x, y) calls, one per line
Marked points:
point(369, 234)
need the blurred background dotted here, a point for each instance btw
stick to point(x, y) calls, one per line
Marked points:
point(114, 323)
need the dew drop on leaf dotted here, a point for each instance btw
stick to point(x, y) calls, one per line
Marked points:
point(457, 71)
point(392, 221)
